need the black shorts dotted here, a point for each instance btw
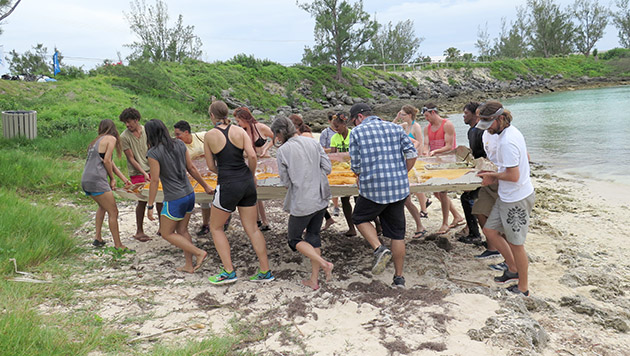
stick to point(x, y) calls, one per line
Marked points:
point(392, 216)
point(313, 225)
point(232, 194)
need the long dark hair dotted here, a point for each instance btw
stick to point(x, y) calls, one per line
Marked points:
point(157, 134)
point(107, 127)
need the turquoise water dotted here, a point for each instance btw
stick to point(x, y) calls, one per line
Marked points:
point(583, 132)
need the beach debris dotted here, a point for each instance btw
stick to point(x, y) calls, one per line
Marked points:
point(28, 277)
point(182, 328)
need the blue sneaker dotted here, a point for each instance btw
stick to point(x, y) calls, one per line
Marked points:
point(224, 277)
point(499, 267)
point(262, 277)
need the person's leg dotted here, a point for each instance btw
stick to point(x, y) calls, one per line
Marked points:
point(347, 213)
point(415, 214)
point(263, 216)
point(335, 201)
point(398, 256)
point(422, 200)
point(522, 265)
point(329, 220)
point(496, 239)
point(100, 217)
point(467, 200)
point(248, 220)
point(172, 232)
point(107, 203)
point(458, 219)
point(317, 262)
point(445, 203)
point(140, 208)
point(218, 217)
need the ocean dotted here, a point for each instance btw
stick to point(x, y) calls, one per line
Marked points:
point(585, 133)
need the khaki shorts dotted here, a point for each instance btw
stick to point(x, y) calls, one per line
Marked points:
point(512, 219)
point(485, 200)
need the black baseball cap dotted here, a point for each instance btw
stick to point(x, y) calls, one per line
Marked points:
point(359, 108)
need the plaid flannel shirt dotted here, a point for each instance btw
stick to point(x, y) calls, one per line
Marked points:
point(378, 154)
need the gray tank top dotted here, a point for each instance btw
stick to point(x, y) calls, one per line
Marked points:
point(94, 178)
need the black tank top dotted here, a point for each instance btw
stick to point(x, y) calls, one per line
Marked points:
point(230, 161)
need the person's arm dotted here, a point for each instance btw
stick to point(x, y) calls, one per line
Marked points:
point(117, 172)
point(109, 142)
point(324, 161)
point(265, 131)
point(449, 136)
point(283, 169)
point(355, 154)
point(194, 172)
point(408, 149)
point(154, 166)
point(410, 163)
point(208, 153)
point(131, 159)
point(425, 150)
point(416, 130)
point(249, 151)
point(511, 174)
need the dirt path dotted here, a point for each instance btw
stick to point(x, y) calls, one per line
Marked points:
point(580, 278)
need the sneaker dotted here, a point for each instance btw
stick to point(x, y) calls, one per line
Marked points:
point(336, 211)
point(399, 282)
point(499, 267)
point(506, 277)
point(262, 277)
point(205, 229)
point(514, 289)
point(382, 255)
point(470, 239)
point(488, 254)
point(97, 243)
point(224, 277)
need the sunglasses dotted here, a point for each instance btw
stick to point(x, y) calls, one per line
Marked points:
point(425, 109)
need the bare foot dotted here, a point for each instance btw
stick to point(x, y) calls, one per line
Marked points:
point(328, 224)
point(328, 270)
point(443, 230)
point(142, 237)
point(185, 269)
point(457, 223)
point(200, 260)
point(311, 284)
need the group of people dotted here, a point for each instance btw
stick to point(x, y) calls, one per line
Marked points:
point(381, 155)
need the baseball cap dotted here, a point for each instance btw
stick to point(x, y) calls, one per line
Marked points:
point(359, 108)
point(486, 120)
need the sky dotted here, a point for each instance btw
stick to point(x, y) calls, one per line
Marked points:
point(88, 32)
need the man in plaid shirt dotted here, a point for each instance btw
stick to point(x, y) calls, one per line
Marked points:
point(381, 154)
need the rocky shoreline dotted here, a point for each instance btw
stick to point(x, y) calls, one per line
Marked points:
point(450, 89)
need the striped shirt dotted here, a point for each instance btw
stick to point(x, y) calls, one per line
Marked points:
point(378, 154)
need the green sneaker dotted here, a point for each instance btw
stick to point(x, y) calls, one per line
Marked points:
point(224, 277)
point(262, 277)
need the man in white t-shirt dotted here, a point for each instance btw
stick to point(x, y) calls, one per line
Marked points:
point(511, 213)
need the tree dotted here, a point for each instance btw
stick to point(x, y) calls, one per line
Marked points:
point(342, 31)
point(483, 43)
point(6, 8)
point(512, 43)
point(394, 44)
point(591, 20)
point(158, 42)
point(32, 63)
point(452, 54)
point(621, 18)
point(550, 31)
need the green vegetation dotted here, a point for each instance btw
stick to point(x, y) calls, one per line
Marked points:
point(570, 66)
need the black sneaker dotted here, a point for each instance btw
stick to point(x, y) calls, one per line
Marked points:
point(399, 282)
point(470, 239)
point(97, 243)
point(514, 289)
point(205, 229)
point(488, 254)
point(506, 277)
point(499, 267)
point(382, 255)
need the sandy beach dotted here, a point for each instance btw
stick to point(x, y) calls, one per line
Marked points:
point(579, 284)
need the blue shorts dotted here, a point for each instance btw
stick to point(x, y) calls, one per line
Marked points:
point(177, 209)
point(93, 194)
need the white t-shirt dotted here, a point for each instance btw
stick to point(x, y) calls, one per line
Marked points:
point(195, 148)
point(490, 143)
point(512, 152)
